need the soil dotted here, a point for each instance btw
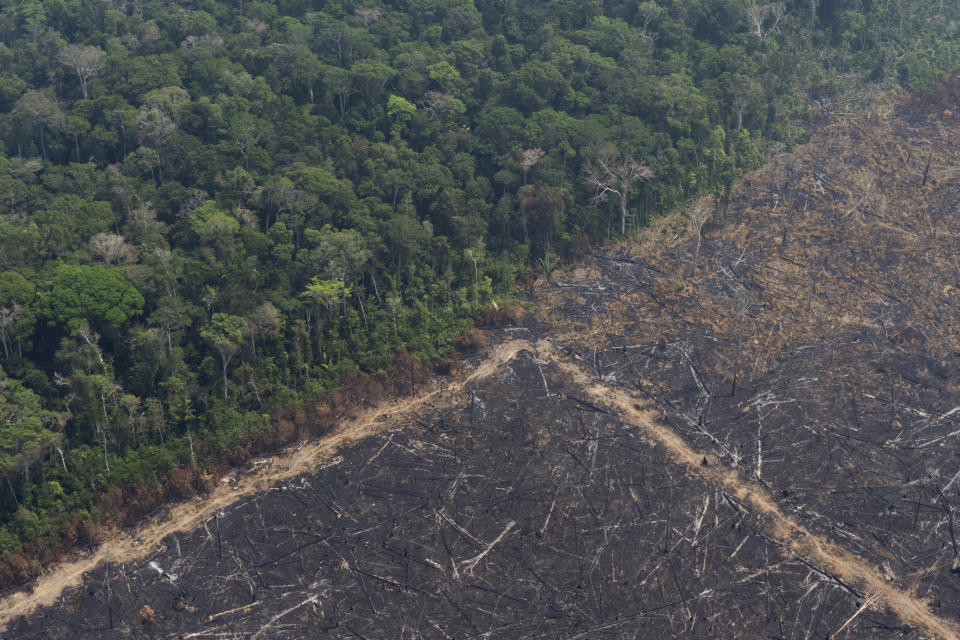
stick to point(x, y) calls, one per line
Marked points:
point(752, 436)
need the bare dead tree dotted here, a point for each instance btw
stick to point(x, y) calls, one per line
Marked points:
point(814, 8)
point(41, 105)
point(699, 216)
point(85, 60)
point(438, 104)
point(8, 316)
point(765, 18)
point(926, 169)
point(110, 248)
point(506, 8)
point(246, 137)
point(648, 12)
point(368, 15)
point(157, 127)
point(610, 171)
point(872, 601)
point(528, 159)
point(742, 299)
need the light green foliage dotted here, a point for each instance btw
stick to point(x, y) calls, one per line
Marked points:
point(14, 288)
point(445, 75)
point(225, 330)
point(325, 292)
point(17, 311)
point(33, 18)
point(336, 255)
point(210, 222)
point(400, 111)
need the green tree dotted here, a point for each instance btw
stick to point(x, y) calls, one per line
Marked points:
point(324, 294)
point(27, 431)
point(215, 227)
point(306, 71)
point(446, 76)
point(176, 395)
point(17, 315)
point(225, 333)
point(34, 18)
point(400, 110)
point(90, 294)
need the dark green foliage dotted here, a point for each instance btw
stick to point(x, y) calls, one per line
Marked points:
point(90, 294)
point(209, 209)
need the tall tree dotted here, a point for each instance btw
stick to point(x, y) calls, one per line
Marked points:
point(324, 294)
point(41, 105)
point(26, 430)
point(16, 314)
point(86, 61)
point(609, 171)
point(765, 18)
point(225, 333)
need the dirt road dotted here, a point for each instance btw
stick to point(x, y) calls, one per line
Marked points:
point(128, 546)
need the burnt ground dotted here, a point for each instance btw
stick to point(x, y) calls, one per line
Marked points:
point(811, 343)
point(814, 342)
point(520, 511)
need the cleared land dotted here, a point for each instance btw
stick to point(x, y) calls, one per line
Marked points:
point(749, 434)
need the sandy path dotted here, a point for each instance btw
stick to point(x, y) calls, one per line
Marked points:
point(146, 538)
point(798, 539)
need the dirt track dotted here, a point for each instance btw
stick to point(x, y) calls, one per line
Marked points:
point(126, 547)
point(816, 549)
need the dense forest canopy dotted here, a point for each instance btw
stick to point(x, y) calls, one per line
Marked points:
point(211, 209)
